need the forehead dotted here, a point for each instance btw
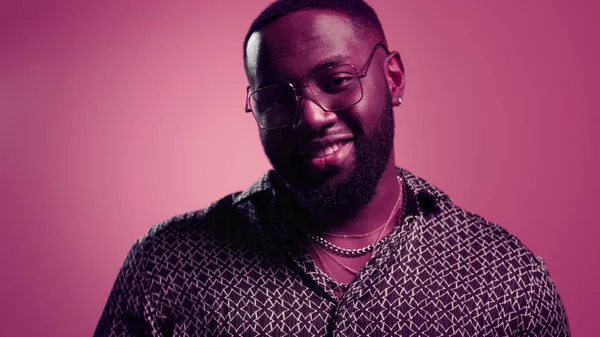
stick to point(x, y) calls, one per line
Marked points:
point(295, 44)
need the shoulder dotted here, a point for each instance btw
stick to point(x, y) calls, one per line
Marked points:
point(201, 231)
point(463, 233)
point(230, 213)
point(511, 272)
point(466, 245)
point(481, 260)
point(477, 229)
point(184, 225)
point(482, 242)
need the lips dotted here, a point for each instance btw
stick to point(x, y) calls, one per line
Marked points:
point(326, 150)
point(327, 153)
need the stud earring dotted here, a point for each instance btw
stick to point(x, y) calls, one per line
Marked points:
point(400, 100)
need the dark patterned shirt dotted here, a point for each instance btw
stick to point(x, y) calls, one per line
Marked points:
point(237, 268)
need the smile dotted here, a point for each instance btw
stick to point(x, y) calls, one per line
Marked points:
point(328, 150)
point(329, 156)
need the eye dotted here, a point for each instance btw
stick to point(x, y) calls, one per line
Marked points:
point(276, 97)
point(337, 82)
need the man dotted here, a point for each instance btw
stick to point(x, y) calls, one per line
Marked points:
point(336, 240)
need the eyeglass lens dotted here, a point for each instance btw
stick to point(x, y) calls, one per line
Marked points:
point(334, 88)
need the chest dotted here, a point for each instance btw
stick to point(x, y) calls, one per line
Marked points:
point(249, 296)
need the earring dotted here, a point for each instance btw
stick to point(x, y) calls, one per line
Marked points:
point(400, 100)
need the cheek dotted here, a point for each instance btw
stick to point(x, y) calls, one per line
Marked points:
point(376, 88)
point(366, 114)
point(275, 144)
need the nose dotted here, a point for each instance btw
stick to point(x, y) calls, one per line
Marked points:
point(311, 116)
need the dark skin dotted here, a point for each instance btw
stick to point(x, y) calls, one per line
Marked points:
point(290, 48)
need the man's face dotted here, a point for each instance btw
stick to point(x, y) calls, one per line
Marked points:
point(361, 136)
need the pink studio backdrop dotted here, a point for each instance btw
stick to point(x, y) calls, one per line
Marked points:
point(117, 115)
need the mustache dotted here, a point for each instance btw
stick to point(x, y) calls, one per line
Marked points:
point(307, 137)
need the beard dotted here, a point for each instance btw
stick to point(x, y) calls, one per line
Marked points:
point(335, 200)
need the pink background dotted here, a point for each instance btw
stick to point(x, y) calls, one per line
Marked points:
point(116, 115)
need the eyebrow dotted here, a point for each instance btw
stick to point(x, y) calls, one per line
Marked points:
point(329, 62)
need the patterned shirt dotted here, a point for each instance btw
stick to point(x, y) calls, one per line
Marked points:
point(237, 268)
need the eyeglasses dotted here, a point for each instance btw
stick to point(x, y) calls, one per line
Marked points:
point(334, 88)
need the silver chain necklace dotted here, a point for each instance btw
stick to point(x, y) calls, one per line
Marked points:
point(357, 252)
point(355, 236)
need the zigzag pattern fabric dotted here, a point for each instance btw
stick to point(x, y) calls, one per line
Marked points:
point(237, 268)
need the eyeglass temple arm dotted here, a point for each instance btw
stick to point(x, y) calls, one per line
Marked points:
point(379, 44)
point(248, 109)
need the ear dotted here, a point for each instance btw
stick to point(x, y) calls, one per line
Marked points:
point(394, 73)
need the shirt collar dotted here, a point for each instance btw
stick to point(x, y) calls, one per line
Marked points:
point(263, 185)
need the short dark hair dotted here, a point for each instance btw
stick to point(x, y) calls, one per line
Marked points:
point(359, 12)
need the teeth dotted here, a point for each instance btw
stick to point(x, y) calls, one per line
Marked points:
point(327, 150)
